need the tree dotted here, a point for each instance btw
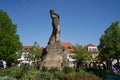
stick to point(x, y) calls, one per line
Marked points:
point(9, 40)
point(109, 46)
point(81, 54)
point(36, 52)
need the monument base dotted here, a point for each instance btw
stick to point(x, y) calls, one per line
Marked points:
point(53, 56)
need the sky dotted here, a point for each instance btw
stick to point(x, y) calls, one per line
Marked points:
point(81, 21)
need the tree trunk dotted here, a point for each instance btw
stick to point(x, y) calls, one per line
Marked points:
point(109, 66)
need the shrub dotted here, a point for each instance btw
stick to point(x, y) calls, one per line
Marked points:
point(35, 74)
point(55, 71)
point(2, 73)
point(77, 76)
point(68, 70)
point(65, 77)
point(31, 74)
point(80, 71)
point(7, 78)
point(44, 69)
point(46, 76)
point(97, 72)
point(52, 69)
point(15, 72)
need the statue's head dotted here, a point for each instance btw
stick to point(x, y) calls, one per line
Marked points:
point(51, 11)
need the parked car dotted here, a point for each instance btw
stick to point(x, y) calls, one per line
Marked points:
point(1, 65)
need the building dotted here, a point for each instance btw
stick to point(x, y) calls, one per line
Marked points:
point(68, 46)
point(69, 49)
point(24, 53)
point(93, 49)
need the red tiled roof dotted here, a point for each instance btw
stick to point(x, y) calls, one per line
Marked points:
point(90, 45)
point(26, 48)
point(68, 46)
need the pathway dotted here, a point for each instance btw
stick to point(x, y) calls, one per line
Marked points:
point(112, 77)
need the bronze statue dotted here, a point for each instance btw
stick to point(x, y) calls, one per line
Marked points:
point(56, 27)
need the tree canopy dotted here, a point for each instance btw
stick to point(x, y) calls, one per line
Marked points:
point(109, 46)
point(81, 54)
point(36, 52)
point(9, 40)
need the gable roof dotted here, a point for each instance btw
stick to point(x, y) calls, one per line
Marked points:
point(26, 48)
point(90, 45)
point(68, 46)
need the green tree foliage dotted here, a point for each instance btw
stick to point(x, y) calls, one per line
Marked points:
point(36, 52)
point(109, 46)
point(9, 40)
point(81, 54)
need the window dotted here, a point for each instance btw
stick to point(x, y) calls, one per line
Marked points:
point(92, 49)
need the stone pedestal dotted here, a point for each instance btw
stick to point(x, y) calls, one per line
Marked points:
point(53, 56)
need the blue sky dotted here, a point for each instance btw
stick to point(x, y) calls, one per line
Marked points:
point(81, 21)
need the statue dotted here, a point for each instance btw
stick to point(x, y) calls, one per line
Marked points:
point(54, 54)
point(56, 27)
